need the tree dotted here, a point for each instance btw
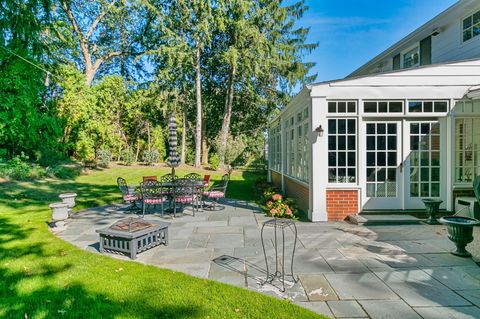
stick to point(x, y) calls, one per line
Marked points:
point(263, 45)
point(101, 31)
point(184, 29)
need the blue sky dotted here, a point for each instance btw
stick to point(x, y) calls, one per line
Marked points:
point(351, 32)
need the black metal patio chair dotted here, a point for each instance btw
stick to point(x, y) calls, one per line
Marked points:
point(216, 192)
point(128, 196)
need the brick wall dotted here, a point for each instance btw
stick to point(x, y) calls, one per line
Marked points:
point(276, 179)
point(299, 192)
point(341, 203)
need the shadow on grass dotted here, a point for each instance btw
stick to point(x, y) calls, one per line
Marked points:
point(31, 290)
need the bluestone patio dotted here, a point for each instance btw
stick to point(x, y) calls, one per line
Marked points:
point(344, 270)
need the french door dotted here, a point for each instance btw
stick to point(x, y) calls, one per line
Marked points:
point(383, 165)
point(424, 163)
point(404, 163)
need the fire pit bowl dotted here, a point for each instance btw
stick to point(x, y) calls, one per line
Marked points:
point(460, 232)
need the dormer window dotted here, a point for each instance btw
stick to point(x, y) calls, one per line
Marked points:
point(471, 26)
point(411, 58)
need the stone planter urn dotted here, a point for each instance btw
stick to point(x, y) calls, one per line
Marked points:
point(69, 199)
point(59, 214)
point(460, 231)
point(433, 207)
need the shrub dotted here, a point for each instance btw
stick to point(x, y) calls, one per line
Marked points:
point(214, 161)
point(151, 157)
point(128, 157)
point(19, 169)
point(104, 157)
point(49, 156)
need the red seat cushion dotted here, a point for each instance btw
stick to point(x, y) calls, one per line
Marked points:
point(184, 199)
point(214, 194)
point(130, 197)
point(154, 200)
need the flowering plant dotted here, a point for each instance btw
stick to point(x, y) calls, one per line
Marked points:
point(279, 207)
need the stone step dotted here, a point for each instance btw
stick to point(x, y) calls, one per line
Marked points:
point(383, 219)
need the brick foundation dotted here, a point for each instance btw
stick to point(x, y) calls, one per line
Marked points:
point(341, 203)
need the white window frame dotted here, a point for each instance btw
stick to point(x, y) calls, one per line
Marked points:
point(462, 30)
point(328, 167)
point(456, 149)
point(423, 113)
point(382, 114)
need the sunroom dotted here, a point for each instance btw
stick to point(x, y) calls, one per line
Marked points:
point(380, 143)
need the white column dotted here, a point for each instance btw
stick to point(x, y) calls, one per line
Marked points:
point(318, 161)
point(450, 158)
point(283, 146)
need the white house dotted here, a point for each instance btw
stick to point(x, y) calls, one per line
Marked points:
point(391, 133)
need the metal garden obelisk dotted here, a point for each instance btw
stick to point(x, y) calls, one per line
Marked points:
point(173, 159)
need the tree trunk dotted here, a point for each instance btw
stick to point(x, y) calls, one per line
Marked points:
point(205, 148)
point(227, 115)
point(184, 140)
point(137, 151)
point(148, 137)
point(198, 91)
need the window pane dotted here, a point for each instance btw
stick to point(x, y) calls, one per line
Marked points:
point(415, 107)
point(396, 107)
point(427, 106)
point(332, 143)
point(467, 23)
point(467, 35)
point(370, 107)
point(441, 106)
point(342, 126)
point(332, 126)
point(351, 107)
point(351, 159)
point(351, 143)
point(370, 128)
point(351, 127)
point(342, 107)
point(342, 143)
point(382, 107)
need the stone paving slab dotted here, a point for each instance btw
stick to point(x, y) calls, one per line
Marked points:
point(345, 309)
point(345, 270)
point(360, 287)
point(379, 309)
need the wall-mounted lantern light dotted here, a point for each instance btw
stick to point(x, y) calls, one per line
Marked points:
point(319, 130)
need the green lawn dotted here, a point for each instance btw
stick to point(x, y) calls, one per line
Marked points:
point(42, 276)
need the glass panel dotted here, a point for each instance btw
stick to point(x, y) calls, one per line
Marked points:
point(351, 158)
point(427, 106)
point(467, 35)
point(370, 107)
point(332, 159)
point(332, 143)
point(411, 58)
point(415, 107)
point(435, 190)
point(381, 128)
point(342, 107)
point(468, 22)
point(392, 158)
point(414, 190)
point(414, 128)
point(414, 174)
point(332, 175)
point(370, 142)
point(352, 107)
point(332, 126)
point(370, 174)
point(332, 107)
point(441, 106)
point(370, 189)
point(370, 128)
point(396, 107)
point(381, 159)
point(392, 128)
point(381, 142)
point(342, 142)
point(351, 143)
point(435, 174)
point(351, 127)
point(370, 158)
point(425, 190)
point(382, 107)
point(392, 142)
point(342, 126)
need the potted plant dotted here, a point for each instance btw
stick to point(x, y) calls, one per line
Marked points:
point(69, 199)
point(279, 207)
point(59, 214)
point(460, 232)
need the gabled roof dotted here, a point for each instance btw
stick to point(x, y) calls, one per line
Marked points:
point(419, 34)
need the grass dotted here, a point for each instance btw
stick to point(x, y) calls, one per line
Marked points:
point(42, 276)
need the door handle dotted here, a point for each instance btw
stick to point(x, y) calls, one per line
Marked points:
point(401, 167)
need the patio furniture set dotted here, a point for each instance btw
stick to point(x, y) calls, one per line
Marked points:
point(191, 189)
